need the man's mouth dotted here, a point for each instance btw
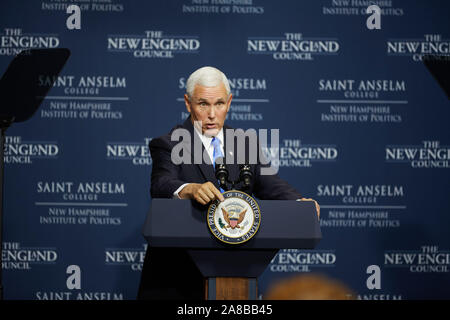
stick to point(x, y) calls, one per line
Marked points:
point(211, 126)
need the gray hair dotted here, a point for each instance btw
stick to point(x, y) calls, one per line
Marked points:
point(207, 77)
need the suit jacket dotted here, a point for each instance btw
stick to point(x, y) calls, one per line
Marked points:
point(171, 273)
point(167, 177)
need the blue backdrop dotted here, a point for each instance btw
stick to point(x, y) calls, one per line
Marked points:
point(363, 130)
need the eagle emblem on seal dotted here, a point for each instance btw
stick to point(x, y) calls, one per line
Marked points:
point(233, 220)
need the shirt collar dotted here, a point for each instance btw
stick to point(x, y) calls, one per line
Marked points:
point(207, 140)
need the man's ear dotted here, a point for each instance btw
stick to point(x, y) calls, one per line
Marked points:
point(187, 103)
point(229, 101)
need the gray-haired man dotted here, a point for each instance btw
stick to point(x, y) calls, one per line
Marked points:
point(208, 99)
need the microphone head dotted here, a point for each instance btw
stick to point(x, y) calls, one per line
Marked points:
point(221, 171)
point(245, 174)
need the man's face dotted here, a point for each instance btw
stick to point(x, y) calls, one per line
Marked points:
point(210, 106)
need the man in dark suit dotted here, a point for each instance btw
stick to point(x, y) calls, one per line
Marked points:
point(171, 274)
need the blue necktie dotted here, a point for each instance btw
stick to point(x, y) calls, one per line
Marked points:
point(217, 153)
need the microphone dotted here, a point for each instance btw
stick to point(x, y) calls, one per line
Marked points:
point(245, 174)
point(221, 172)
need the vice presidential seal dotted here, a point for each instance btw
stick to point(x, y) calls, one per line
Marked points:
point(235, 220)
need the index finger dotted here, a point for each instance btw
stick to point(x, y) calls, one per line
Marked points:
point(217, 193)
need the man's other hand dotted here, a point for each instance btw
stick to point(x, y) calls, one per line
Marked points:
point(202, 193)
point(315, 202)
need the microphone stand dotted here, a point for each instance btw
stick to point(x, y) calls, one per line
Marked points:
point(222, 175)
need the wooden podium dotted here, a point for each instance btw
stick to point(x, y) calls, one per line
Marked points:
point(231, 270)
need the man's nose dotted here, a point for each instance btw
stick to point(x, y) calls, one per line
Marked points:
point(212, 112)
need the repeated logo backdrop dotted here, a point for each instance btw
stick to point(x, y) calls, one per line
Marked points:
point(363, 130)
